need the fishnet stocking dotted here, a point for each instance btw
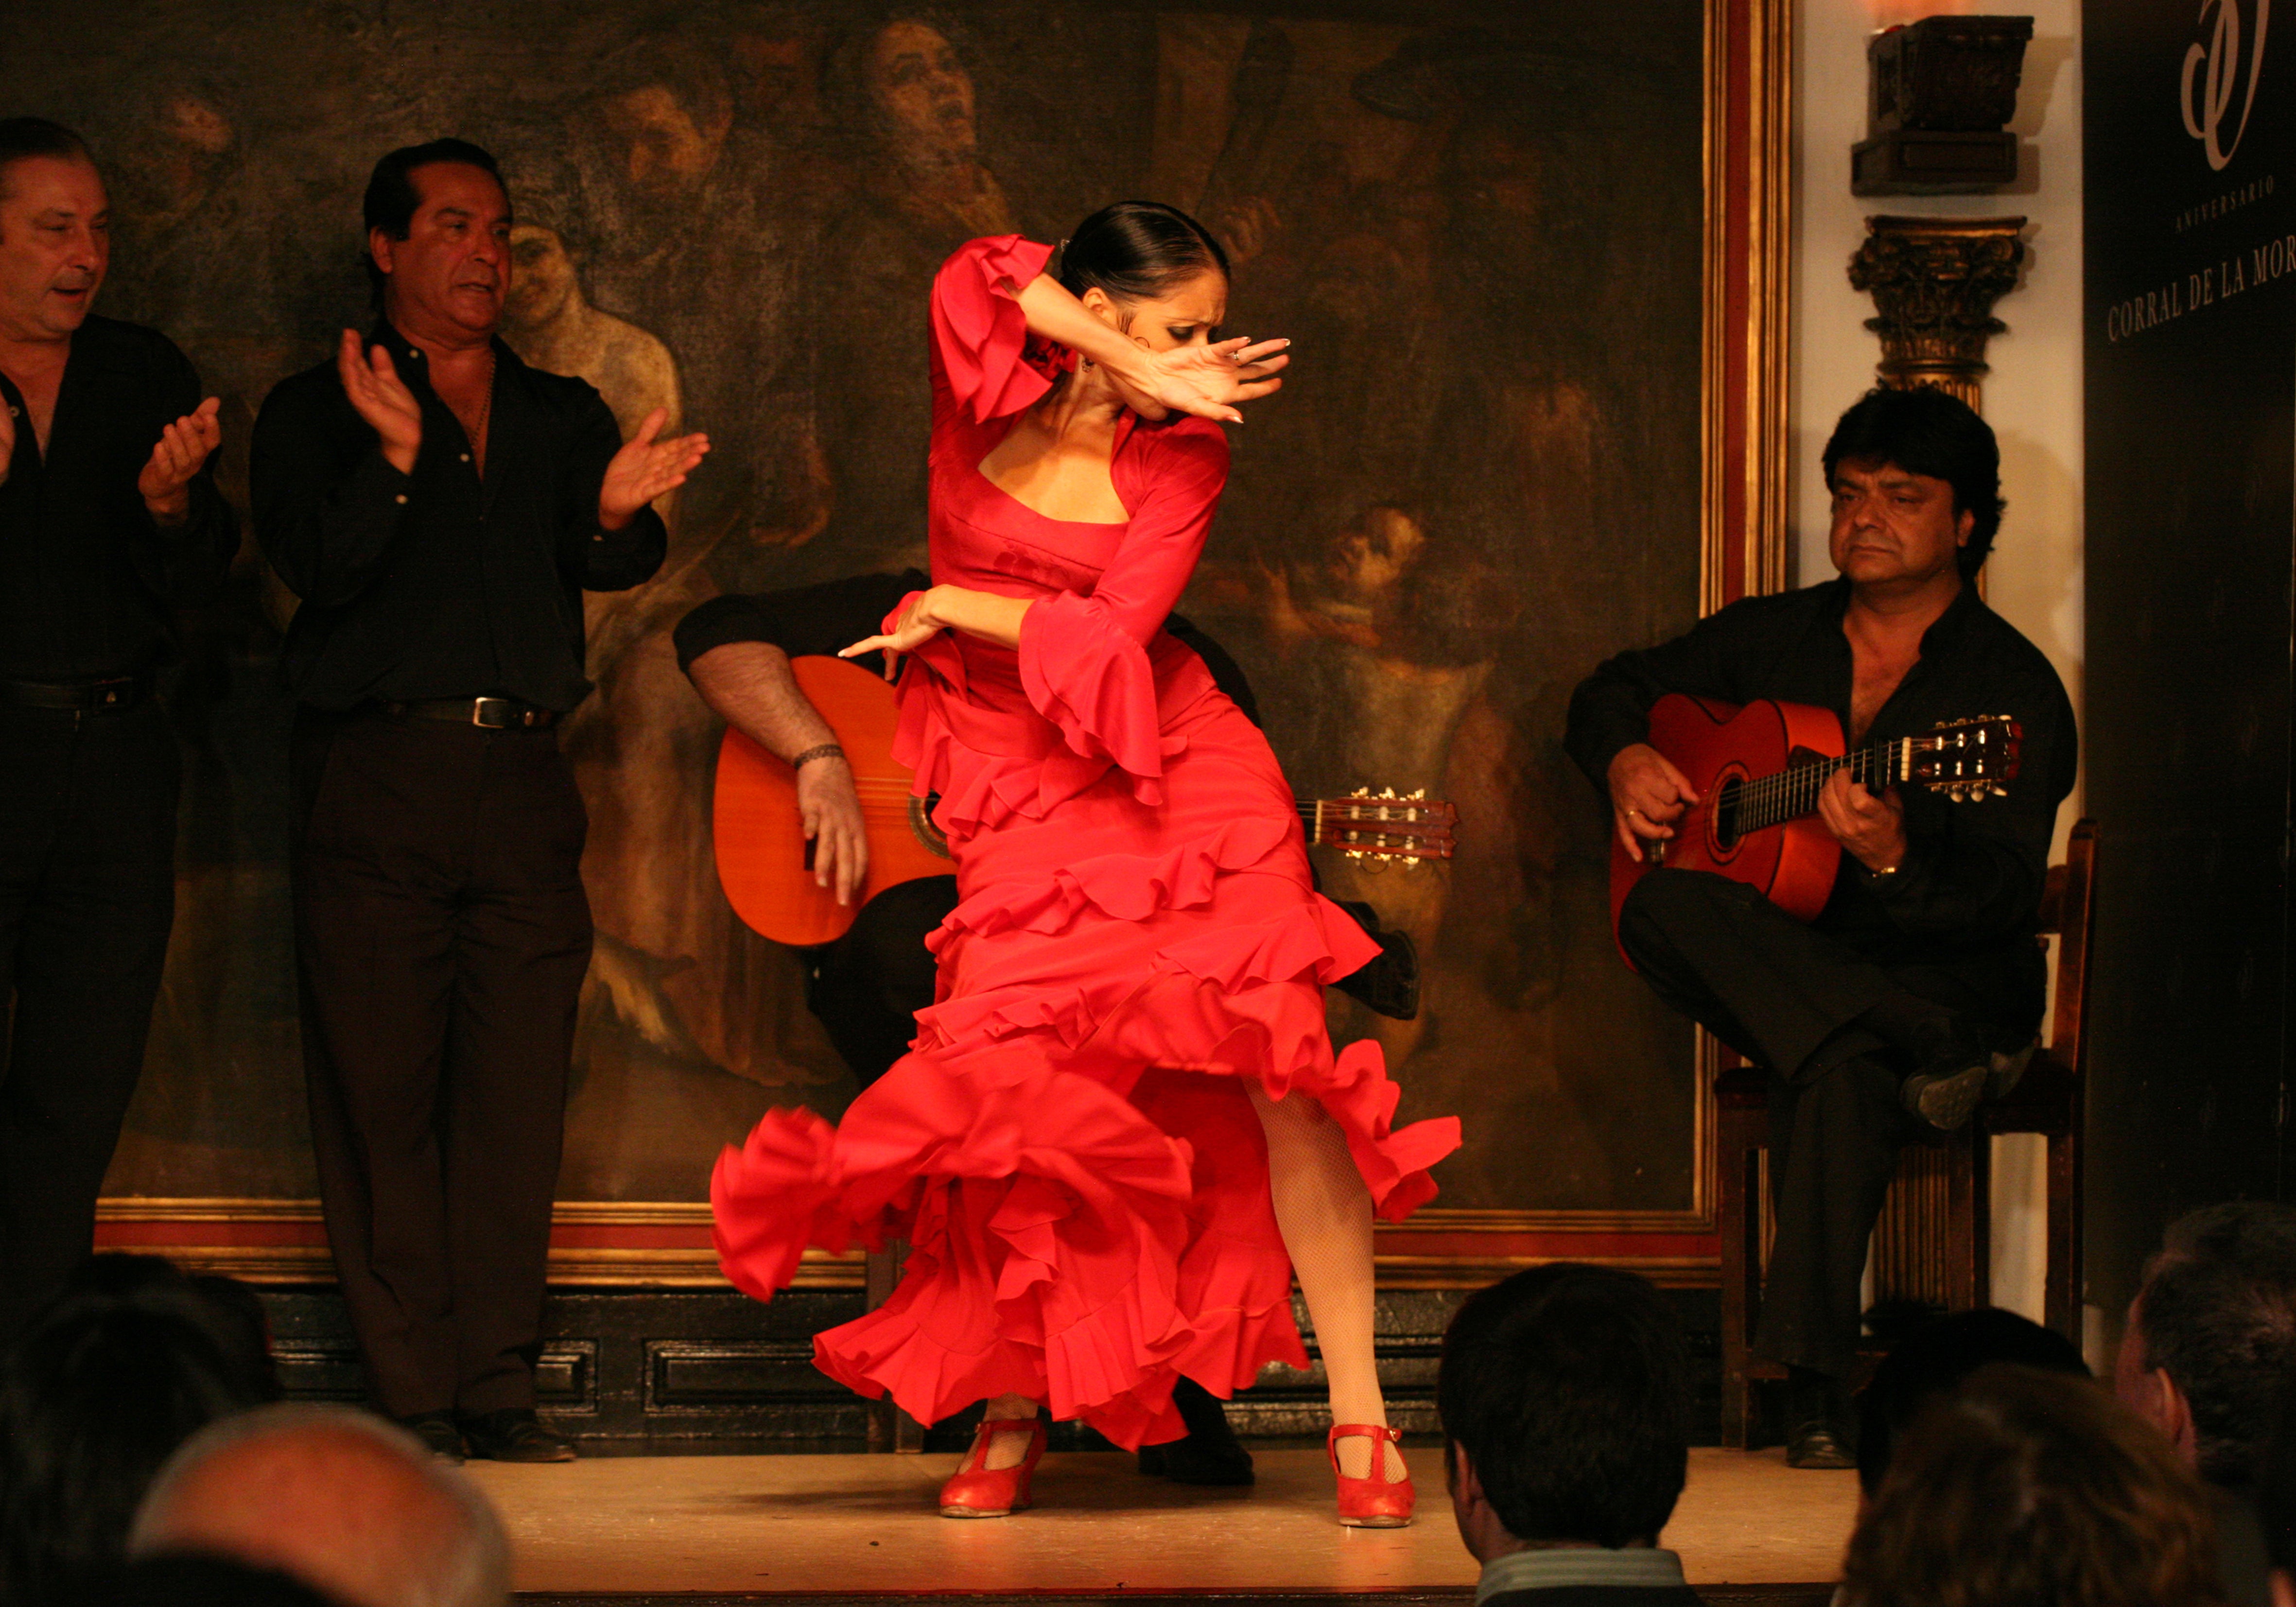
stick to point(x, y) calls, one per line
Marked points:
point(1325, 1212)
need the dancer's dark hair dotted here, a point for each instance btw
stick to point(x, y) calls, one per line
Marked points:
point(1137, 250)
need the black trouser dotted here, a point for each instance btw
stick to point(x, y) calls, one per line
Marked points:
point(1789, 997)
point(87, 892)
point(869, 985)
point(442, 933)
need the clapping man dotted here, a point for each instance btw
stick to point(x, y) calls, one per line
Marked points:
point(439, 507)
point(108, 515)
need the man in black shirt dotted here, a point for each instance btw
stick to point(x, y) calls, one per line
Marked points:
point(107, 516)
point(867, 986)
point(1918, 989)
point(439, 507)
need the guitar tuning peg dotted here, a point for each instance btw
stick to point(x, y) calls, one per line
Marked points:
point(1421, 792)
point(1386, 792)
point(1411, 860)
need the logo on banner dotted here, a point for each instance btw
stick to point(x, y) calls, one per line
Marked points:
point(2214, 74)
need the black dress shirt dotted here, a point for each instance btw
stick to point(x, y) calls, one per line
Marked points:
point(1969, 891)
point(86, 575)
point(434, 583)
point(837, 614)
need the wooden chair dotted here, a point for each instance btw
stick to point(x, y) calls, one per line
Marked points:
point(1934, 1241)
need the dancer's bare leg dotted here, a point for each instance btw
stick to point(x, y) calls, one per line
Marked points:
point(1006, 1450)
point(1325, 1212)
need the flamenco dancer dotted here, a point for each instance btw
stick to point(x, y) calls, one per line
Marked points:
point(1122, 1111)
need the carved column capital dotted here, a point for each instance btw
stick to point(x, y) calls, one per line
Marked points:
point(1934, 282)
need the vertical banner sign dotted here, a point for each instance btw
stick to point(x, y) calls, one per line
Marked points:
point(2191, 350)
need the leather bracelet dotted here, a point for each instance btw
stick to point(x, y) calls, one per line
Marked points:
point(825, 750)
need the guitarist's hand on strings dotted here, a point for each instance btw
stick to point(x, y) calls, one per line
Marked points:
point(1647, 796)
point(1870, 826)
point(830, 806)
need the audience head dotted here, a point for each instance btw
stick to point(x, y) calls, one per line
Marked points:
point(1564, 1397)
point(1929, 436)
point(2026, 1488)
point(96, 1396)
point(2211, 1335)
point(1932, 1360)
point(349, 1503)
point(437, 235)
point(55, 239)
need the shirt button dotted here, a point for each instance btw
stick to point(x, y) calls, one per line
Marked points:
point(466, 457)
point(401, 500)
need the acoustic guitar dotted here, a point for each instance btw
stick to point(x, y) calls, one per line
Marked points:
point(766, 864)
point(1758, 771)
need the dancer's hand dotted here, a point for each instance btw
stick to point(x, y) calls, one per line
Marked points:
point(917, 627)
point(830, 805)
point(646, 468)
point(1207, 381)
point(1647, 796)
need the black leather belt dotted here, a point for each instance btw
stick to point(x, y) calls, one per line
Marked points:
point(115, 695)
point(488, 714)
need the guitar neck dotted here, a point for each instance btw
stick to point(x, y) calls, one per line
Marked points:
point(1792, 792)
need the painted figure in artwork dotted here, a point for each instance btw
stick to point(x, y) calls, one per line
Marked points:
point(1122, 1126)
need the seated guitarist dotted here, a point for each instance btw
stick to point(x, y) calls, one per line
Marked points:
point(867, 986)
point(1921, 982)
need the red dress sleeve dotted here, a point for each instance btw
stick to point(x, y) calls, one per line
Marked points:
point(1084, 662)
point(983, 361)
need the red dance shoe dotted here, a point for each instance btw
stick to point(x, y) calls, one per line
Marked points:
point(978, 1491)
point(1376, 1502)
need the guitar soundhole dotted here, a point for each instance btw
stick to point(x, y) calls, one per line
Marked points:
point(921, 823)
point(1726, 814)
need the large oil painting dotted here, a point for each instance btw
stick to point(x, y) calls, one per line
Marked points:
point(1486, 227)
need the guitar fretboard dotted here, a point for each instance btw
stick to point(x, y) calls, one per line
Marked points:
point(1770, 801)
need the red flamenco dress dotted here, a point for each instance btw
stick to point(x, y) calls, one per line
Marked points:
point(1068, 1146)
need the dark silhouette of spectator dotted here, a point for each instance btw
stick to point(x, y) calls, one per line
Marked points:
point(2209, 1344)
point(1564, 1397)
point(2275, 1505)
point(189, 1581)
point(1933, 1359)
point(94, 1397)
point(2026, 1488)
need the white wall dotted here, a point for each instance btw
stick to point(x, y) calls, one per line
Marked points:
point(2032, 398)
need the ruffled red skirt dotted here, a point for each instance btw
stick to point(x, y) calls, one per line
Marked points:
point(1069, 1147)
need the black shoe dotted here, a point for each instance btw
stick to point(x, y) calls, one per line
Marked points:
point(1952, 1082)
point(2005, 1071)
point(1813, 1443)
point(1210, 1454)
point(1388, 986)
point(513, 1434)
point(437, 1433)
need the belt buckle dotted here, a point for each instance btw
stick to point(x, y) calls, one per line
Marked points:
point(479, 714)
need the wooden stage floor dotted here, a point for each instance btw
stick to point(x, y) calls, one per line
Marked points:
point(707, 1530)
